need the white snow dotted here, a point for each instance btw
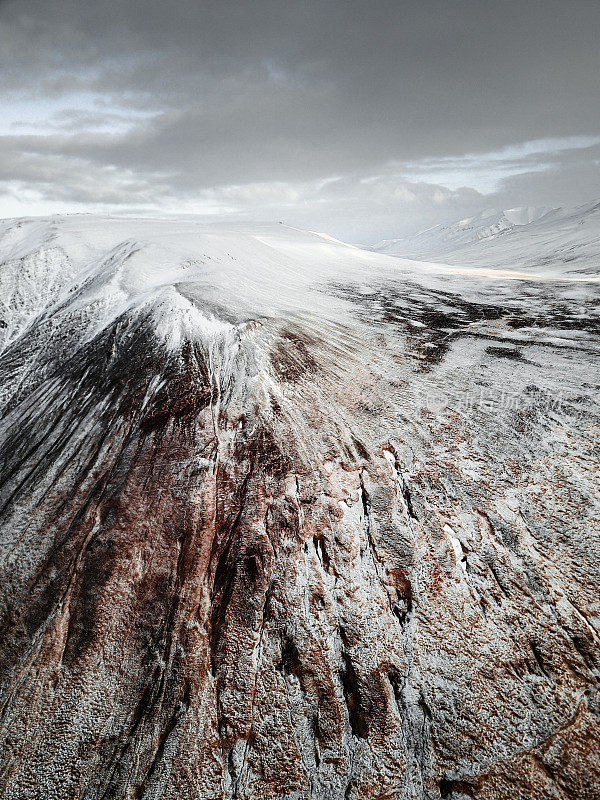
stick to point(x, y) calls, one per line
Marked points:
point(549, 241)
point(200, 276)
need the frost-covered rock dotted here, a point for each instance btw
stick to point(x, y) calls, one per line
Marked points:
point(282, 518)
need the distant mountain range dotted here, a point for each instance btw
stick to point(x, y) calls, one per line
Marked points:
point(530, 238)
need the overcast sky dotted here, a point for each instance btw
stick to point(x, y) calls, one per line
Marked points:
point(363, 119)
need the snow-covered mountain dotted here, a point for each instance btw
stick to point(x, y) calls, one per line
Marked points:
point(284, 518)
point(530, 238)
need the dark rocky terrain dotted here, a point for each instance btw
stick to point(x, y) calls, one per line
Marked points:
point(285, 519)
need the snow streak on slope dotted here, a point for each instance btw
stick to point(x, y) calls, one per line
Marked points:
point(281, 518)
point(553, 241)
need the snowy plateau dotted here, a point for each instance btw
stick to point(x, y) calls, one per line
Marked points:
point(286, 519)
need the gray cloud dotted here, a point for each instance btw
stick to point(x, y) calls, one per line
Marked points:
point(334, 112)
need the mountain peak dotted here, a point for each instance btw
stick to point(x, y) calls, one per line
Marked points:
point(282, 518)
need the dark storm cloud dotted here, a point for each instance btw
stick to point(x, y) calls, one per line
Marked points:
point(194, 98)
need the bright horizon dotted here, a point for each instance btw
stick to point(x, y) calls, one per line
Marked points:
point(367, 122)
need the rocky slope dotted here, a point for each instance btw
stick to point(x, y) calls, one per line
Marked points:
point(552, 240)
point(281, 518)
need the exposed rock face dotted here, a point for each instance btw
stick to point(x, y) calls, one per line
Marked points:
point(281, 519)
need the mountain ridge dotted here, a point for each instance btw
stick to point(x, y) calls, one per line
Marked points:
point(558, 238)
